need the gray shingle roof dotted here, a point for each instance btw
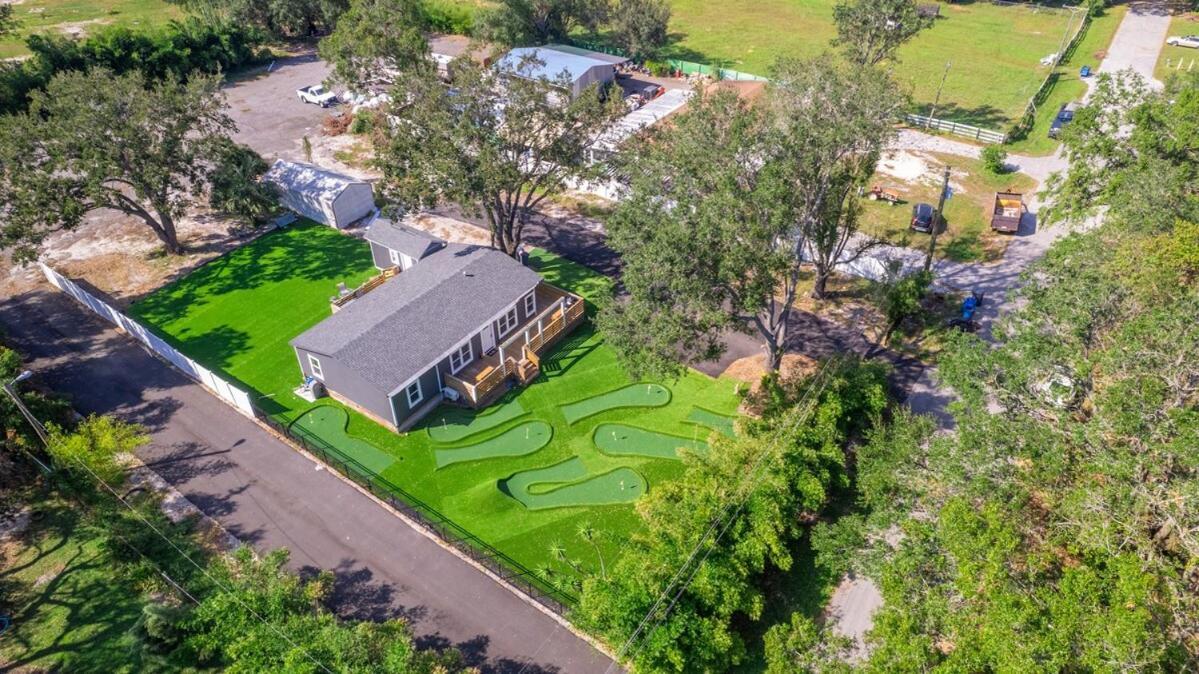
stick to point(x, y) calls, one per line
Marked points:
point(410, 241)
point(401, 327)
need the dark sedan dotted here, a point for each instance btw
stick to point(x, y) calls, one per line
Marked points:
point(922, 217)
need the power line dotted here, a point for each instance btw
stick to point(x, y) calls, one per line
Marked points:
point(725, 520)
point(202, 570)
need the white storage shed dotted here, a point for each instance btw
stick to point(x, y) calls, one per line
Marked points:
point(322, 195)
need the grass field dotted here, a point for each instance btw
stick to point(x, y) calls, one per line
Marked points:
point(69, 614)
point(1176, 59)
point(995, 50)
point(967, 235)
point(237, 314)
point(70, 16)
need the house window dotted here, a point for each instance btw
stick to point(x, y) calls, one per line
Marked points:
point(314, 366)
point(530, 303)
point(413, 393)
point(394, 255)
point(461, 357)
point(507, 322)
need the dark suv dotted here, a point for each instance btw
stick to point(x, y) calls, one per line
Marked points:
point(922, 217)
point(1064, 117)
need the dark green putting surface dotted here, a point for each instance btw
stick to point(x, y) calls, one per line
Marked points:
point(329, 424)
point(524, 439)
point(561, 485)
point(720, 423)
point(451, 424)
point(622, 440)
point(633, 395)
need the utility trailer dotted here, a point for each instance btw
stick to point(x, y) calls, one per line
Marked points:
point(1009, 208)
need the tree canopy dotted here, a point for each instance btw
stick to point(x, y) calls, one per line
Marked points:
point(94, 140)
point(728, 201)
point(872, 31)
point(640, 27)
point(497, 151)
point(1053, 530)
point(279, 18)
point(518, 23)
point(375, 40)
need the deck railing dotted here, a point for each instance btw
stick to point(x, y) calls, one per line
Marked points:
point(371, 284)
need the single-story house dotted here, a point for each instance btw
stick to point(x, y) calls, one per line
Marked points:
point(395, 244)
point(328, 197)
point(461, 321)
point(582, 67)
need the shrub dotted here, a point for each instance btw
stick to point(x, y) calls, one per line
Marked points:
point(994, 159)
point(658, 68)
point(176, 50)
point(450, 17)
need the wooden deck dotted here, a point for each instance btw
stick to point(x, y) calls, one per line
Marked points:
point(517, 358)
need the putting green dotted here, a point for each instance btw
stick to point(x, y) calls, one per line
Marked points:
point(451, 424)
point(622, 440)
point(718, 422)
point(633, 395)
point(328, 424)
point(556, 486)
point(524, 439)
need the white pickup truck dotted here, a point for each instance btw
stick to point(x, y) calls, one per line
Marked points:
point(316, 94)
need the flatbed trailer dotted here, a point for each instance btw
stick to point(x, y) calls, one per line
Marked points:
point(1009, 208)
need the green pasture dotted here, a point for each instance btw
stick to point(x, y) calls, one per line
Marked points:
point(79, 17)
point(237, 313)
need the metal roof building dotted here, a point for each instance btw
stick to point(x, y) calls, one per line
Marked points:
point(319, 194)
point(582, 68)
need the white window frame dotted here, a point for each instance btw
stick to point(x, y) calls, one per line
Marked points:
point(314, 367)
point(531, 304)
point(508, 322)
point(463, 360)
point(420, 395)
point(394, 256)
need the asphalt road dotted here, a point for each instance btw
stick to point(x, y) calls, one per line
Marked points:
point(270, 496)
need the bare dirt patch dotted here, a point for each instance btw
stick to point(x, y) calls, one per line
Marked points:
point(751, 368)
point(454, 231)
point(121, 256)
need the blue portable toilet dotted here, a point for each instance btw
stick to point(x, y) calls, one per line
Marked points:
point(1084, 71)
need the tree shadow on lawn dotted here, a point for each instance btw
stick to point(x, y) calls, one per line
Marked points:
point(304, 250)
point(79, 585)
point(985, 116)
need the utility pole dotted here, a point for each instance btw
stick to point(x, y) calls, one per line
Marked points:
point(937, 100)
point(937, 220)
point(37, 425)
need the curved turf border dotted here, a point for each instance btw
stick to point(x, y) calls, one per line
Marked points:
point(567, 408)
point(570, 481)
point(665, 451)
point(505, 445)
point(723, 424)
point(361, 451)
point(487, 421)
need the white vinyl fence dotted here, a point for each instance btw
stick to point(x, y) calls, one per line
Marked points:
point(957, 128)
point(236, 397)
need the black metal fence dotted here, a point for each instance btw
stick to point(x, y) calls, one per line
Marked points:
point(503, 566)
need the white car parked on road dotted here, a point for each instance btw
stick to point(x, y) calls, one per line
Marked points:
point(1191, 41)
point(317, 94)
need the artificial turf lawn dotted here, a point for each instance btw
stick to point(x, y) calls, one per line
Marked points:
point(633, 395)
point(236, 315)
point(567, 484)
point(329, 424)
point(721, 423)
point(519, 441)
point(451, 424)
point(624, 440)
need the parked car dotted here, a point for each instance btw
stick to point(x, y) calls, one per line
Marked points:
point(922, 217)
point(1065, 115)
point(1191, 41)
point(317, 95)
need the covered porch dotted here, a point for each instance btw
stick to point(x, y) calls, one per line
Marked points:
point(519, 355)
